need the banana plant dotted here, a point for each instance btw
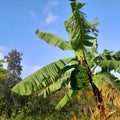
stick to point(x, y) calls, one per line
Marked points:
point(77, 71)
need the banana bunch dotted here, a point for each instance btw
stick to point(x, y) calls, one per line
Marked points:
point(79, 77)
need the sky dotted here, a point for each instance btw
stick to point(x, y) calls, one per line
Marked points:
point(19, 19)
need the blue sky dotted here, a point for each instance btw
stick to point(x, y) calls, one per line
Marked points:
point(19, 19)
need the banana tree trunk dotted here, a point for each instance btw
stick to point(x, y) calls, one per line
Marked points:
point(100, 106)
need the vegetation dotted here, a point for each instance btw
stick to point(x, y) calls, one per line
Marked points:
point(80, 87)
point(78, 72)
point(9, 77)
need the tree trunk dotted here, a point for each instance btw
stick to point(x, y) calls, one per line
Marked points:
point(100, 106)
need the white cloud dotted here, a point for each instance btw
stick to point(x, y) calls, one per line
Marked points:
point(49, 5)
point(33, 14)
point(47, 11)
point(51, 18)
point(1, 55)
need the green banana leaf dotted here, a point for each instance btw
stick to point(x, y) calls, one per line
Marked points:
point(64, 100)
point(76, 5)
point(71, 94)
point(42, 78)
point(82, 33)
point(54, 40)
point(54, 86)
point(100, 78)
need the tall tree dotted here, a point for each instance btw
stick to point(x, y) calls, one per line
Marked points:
point(14, 67)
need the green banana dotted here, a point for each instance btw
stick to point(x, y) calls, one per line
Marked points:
point(79, 77)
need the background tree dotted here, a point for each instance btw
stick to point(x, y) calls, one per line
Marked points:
point(14, 66)
point(3, 76)
point(79, 72)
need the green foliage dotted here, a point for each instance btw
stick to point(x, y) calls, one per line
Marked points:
point(117, 55)
point(108, 61)
point(100, 78)
point(64, 100)
point(46, 80)
point(14, 66)
point(79, 77)
point(118, 83)
point(8, 78)
point(54, 40)
point(74, 73)
point(80, 29)
point(2, 70)
point(54, 86)
point(51, 78)
point(38, 108)
point(14, 62)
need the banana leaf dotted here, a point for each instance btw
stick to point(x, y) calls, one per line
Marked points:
point(100, 78)
point(42, 78)
point(64, 100)
point(55, 86)
point(54, 40)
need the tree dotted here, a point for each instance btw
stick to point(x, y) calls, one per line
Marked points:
point(9, 100)
point(3, 76)
point(14, 66)
point(79, 72)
